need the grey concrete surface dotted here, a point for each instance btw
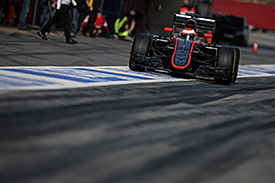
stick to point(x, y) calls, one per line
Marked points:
point(25, 48)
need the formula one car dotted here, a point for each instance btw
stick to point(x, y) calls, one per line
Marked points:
point(186, 52)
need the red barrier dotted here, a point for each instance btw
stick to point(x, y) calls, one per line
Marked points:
point(257, 15)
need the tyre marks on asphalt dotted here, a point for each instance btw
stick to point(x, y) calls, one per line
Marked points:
point(46, 78)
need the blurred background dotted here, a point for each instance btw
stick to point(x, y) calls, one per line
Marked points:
point(256, 14)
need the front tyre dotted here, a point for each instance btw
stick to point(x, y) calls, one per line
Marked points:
point(140, 45)
point(227, 58)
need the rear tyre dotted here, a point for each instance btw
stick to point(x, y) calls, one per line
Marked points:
point(140, 45)
point(236, 69)
point(227, 59)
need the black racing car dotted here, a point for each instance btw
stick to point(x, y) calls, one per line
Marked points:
point(187, 52)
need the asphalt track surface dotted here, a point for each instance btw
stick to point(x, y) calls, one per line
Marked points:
point(176, 132)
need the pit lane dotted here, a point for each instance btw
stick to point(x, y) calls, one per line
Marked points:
point(194, 131)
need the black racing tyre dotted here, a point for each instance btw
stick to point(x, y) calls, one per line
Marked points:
point(140, 45)
point(227, 59)
point(236, 68)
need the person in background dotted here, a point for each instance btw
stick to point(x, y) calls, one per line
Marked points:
point(186, 7)
point(135, 17)
point(22, 25)
point(74, 17)
point(126, 26)
point(62, 12)
point(48, 6)
point(189, 7)
point(99, 24)
point(94, 8)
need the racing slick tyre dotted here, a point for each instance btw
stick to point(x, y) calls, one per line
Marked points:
point(140, 45)
point(227, 59)
point(237, 50)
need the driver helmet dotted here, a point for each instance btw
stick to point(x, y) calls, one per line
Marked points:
point(192, 24)
point(188, 32)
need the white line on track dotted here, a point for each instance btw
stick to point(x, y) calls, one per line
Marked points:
point(48, 78)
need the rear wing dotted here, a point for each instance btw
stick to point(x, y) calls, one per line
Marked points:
point(203, 24)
